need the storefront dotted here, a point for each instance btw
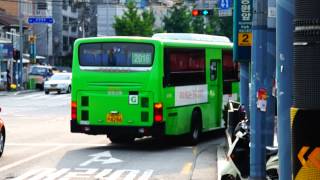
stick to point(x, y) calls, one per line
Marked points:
point(6, 49)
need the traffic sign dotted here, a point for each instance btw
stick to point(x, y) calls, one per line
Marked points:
point(242, 34)
point(224, 12)
point(40, 20)
point(245, 39)
point(224, 4)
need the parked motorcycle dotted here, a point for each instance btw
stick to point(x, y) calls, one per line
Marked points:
point(238, 166)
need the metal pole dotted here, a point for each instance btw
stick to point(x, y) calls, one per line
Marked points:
point(271, 70)
point(20, 70)
point(258, 83)
point(285, 27)
point(270, 77)
point(244, 85)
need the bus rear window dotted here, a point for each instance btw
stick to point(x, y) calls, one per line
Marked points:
point(116, 54)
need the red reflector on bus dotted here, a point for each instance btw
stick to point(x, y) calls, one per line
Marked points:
point(158, 112)
point(74, 110)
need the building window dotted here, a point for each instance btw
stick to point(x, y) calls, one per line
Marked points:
point(65, 23)
point(74, 24)
point(65, 43)
point(65, 4)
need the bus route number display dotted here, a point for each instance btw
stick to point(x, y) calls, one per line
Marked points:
point(141, 58)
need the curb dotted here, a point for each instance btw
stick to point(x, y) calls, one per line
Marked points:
point(25, 92)
point(221, 160)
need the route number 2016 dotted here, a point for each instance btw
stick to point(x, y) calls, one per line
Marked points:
point(244, 39)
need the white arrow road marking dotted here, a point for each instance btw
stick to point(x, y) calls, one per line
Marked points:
point(104, 158)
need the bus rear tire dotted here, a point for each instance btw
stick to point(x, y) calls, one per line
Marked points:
point(196, 127)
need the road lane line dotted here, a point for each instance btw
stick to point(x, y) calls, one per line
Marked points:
point(17, 163)
point(186, 168)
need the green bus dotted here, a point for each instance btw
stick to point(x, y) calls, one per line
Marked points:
point(170, 84)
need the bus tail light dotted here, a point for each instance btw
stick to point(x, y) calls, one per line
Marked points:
point(158, 112)
point(74, 110)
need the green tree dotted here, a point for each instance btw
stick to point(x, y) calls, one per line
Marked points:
point(134, 24)
point(220, 25)
point(178, 20)
point(198, 25)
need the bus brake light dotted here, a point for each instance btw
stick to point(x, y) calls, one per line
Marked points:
point(158, 112)
point(74, 110)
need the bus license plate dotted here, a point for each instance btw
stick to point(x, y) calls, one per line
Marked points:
point(114, 118)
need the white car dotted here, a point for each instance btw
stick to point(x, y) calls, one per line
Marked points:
point(60, 82)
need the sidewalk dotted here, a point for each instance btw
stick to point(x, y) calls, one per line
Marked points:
point(14, 93)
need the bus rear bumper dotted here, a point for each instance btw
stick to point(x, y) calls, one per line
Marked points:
point(158, 129)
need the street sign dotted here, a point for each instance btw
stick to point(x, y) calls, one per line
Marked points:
point(242, 34)
point(245, 39)
point(40, 20)
point(225, 12)
point(224, 4)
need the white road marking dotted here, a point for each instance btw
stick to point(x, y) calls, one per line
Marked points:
point(17, 163)
point(43, 174)
point(117, 174)
point(54, 144)
point(104, 157)
point(47, 173)
point(84, 173)
point(28, 174)
point(57, 174)
point(146, 175)
point(103, 173)
point(132, 174)
point(79, 173)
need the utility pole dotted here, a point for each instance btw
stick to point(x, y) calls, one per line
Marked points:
point(270, 72)
point(285, 27)
point(20, 69)
point(258, 92)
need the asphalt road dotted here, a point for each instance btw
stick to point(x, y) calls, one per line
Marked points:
point(40, 146)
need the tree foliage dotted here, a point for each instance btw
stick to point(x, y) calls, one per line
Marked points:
point(178, 20)
point(133, 23)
